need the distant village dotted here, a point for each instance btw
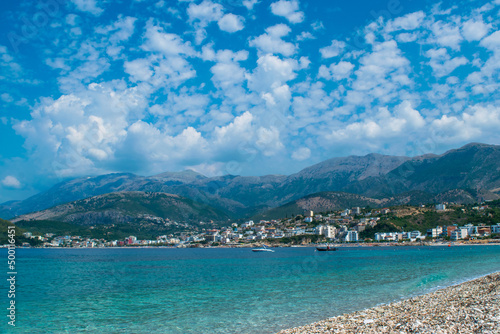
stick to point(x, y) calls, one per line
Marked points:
point(342, 226)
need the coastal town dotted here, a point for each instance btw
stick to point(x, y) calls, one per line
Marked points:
point(349, 226)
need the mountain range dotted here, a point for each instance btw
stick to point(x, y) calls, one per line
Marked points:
point(467, 174)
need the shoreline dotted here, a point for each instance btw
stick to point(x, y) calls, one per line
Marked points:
point(352, 245)
point(470, 306)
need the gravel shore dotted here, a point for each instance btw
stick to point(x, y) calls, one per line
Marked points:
point(470, 307)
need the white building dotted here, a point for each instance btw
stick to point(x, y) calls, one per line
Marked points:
point(345, 213)
point(471, 230)
point(319, 230)
point(308, 219)
point(434, 232)
point(459, 233)
point(440, 207)
point(351, 236)
point(387, 236)
point(330, 231)
point(247, 224)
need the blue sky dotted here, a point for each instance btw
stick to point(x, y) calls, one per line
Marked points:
point(238, 87)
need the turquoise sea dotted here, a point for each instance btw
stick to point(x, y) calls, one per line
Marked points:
point(163, 290)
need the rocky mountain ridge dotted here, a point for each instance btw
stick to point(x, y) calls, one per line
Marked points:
point(474, 168)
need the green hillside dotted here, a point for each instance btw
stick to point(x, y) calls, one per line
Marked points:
point(130, 207)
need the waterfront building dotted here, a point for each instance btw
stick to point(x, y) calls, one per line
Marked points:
point(484, 230)
point(319, 230)
point(471, 230)
point(330, 231)
point(459, 233)
point(435, 232)
point(495, 229)
point(351, 236)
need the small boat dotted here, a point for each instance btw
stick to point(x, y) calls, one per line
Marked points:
point(262, 249)
point(326, 248)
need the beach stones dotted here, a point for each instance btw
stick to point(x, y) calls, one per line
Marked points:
point(470, 307)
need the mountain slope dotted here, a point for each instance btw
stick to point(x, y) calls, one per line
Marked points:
point(127, 207)
point(472, 167)
point(331, 201)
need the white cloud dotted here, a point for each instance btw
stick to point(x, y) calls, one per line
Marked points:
point(78, 133)
point(202, 15)
point(205, 12)
point(249, 4)
point(271, 41)
point(407, 37)
point(301, 154)
point(441, 62)
point(474, 30)
point(11, 182)
point(339, 71)
point(446, 34)
point(492, 42)
point(381, 75)
point(231, 23)
point(139, 69)
point(381, 127)
point(480, 123)
point(289, 10)
point(333, 50)
point(408, 22)
point(268, 141)
point(120, 30)
point(6, 97)
point(166, 43)
point(89, 6)
point(305, 35)
point(272, 72)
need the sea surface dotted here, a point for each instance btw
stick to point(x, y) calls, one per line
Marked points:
point(164, 290)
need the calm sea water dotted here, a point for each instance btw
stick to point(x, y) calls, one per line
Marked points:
point(222, 290)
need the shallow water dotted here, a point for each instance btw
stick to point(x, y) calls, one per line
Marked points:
point(223, 290)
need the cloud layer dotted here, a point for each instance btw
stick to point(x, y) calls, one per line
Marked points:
point(204, 85)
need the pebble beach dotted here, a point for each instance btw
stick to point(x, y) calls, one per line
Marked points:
point(470, 307)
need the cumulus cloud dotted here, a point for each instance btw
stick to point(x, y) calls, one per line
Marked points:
point(339, 71)
point(147, 96)
point(205, 12)
point(249, 4)
point(231, 23)
point(272, 42)
point(333, 50)
point(202, 15)
point(478, 123)
point(410, 21)
point(139, 69)
point(441, 62)
point(446, 34)
point(381, 75)
point(11, 182)
point(288, 10)
point(89, 6)
point(167, 43)
point(301, 154)
point(474, 30)
point(385, 125)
